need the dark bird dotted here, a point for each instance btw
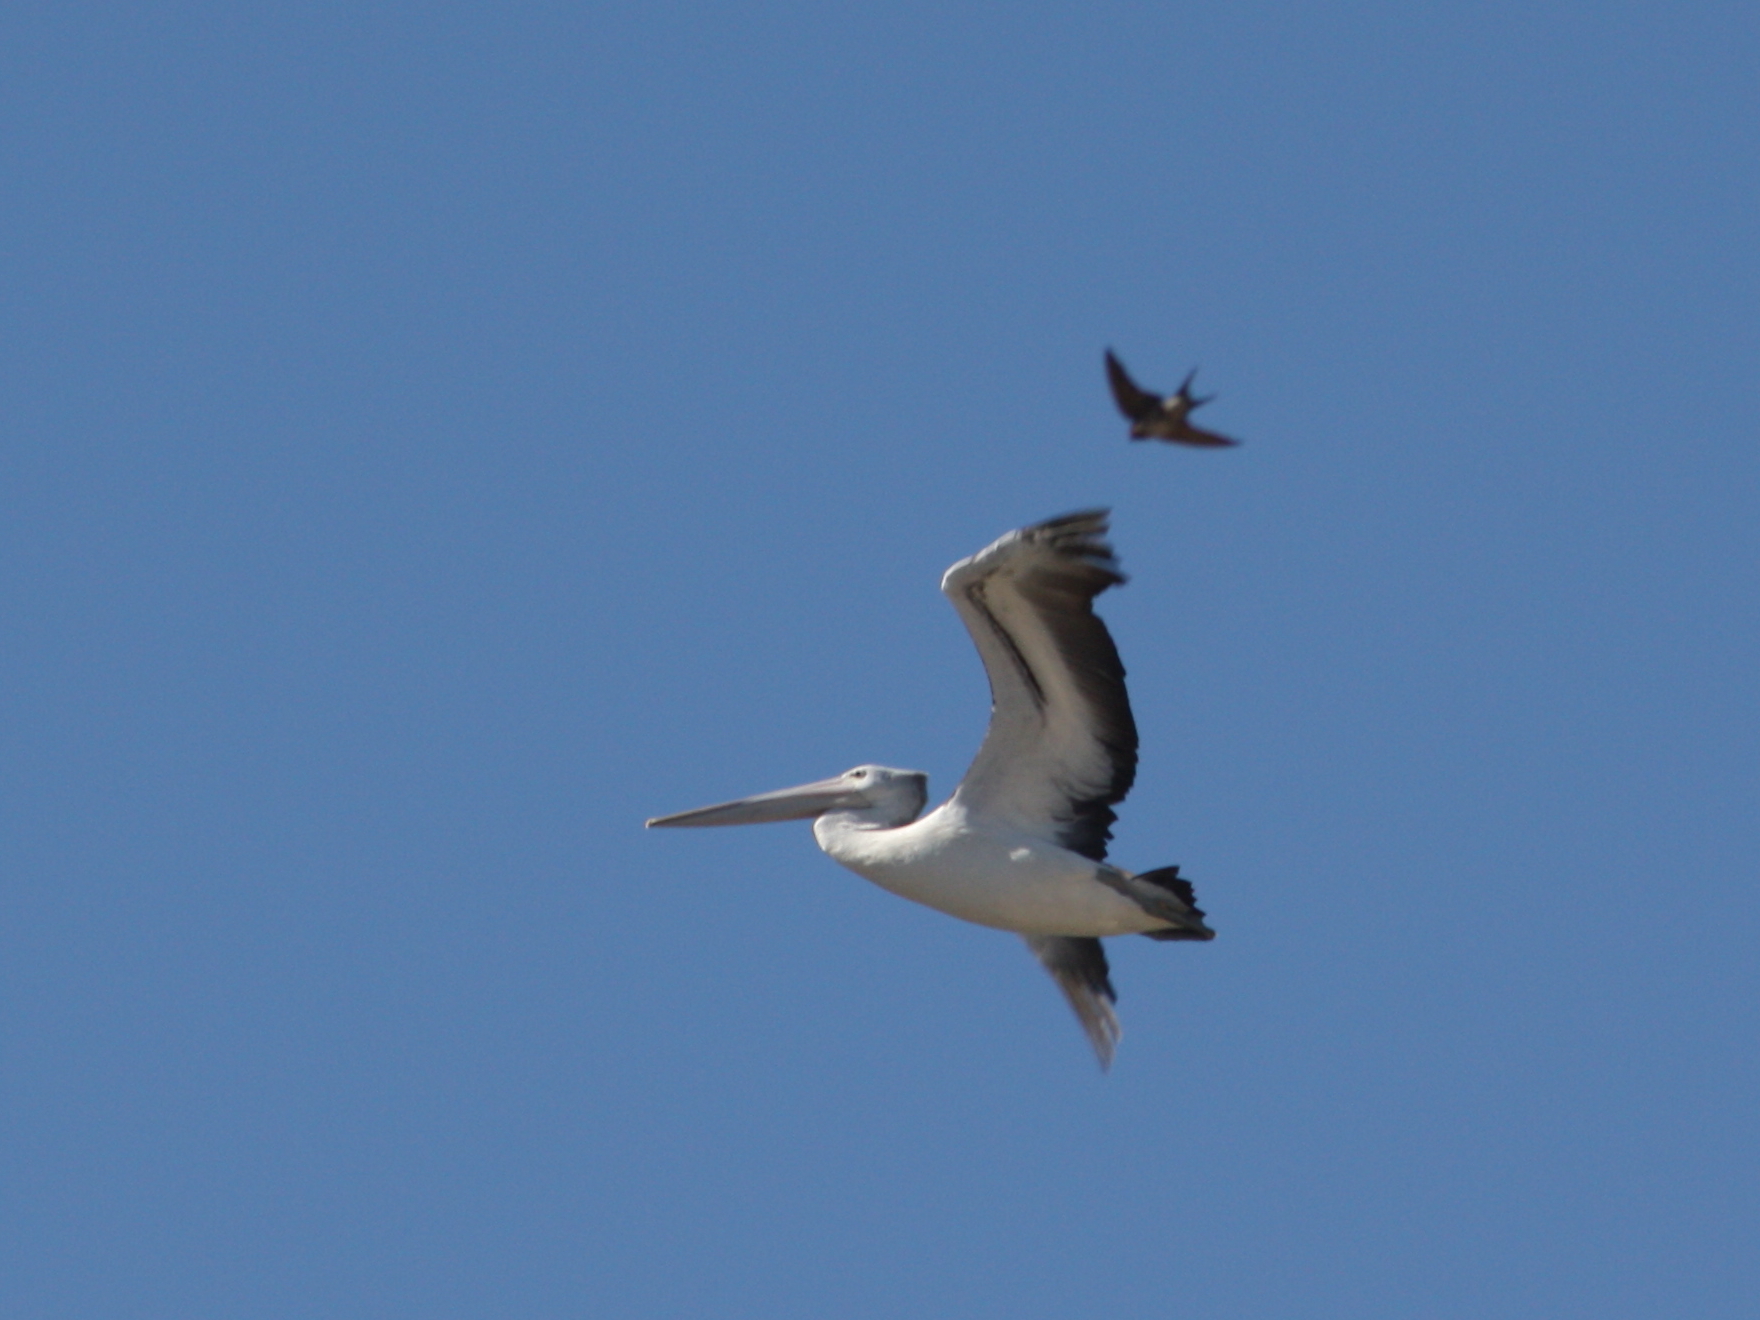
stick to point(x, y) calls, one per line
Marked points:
point(1155, 418)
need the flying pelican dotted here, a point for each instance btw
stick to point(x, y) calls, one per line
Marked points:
point(1155, 418)
point(1021, 844)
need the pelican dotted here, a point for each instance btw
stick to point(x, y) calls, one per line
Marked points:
point(1155, 418)
point(1021, 844)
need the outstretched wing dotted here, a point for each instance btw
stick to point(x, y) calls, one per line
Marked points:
point(1062, 746)
point(1187, 434)
point(1133, 402)
point(1078, 965)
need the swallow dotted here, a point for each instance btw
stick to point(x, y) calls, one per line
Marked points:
point(1155, 418)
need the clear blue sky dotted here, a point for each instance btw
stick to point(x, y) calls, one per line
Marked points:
point(438, 437)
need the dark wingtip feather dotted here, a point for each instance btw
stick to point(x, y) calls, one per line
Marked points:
point(1167, 877)
point(1080, 540)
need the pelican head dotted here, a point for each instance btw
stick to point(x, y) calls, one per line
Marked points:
point(874, 794)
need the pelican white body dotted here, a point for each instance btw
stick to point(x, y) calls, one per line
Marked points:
point(983, 872)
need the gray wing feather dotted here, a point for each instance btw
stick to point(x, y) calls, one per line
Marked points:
point(1062, 745)
point(1078, 965)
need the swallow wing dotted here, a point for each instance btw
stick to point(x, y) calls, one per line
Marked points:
point(1133, 402)
point(1187, 434)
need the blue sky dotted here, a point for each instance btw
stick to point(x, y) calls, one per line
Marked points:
point(439, 437)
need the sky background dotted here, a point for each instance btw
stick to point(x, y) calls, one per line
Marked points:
point(438, 437)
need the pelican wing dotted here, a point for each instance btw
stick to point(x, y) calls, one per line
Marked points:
point(1062, 746)
point(1078, 965)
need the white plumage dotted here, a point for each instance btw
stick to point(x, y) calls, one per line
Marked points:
point(1021, 844)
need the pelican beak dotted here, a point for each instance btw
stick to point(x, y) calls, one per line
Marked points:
point(784, 804)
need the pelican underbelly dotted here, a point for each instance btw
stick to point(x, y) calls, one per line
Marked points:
point(994, 877)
